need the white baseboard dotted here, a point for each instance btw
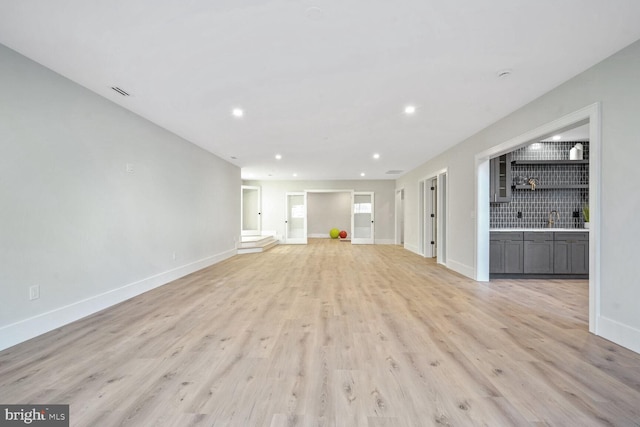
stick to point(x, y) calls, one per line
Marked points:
point(619, 333)
point(319, 236)
point(385, 241)
point(461, 268)
point(411, 248)
point(26, 329)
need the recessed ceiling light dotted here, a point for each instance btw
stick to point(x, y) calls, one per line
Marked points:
point(295, 174)
point(376, 156)
point(557, 137)
point(362, 174)
point(278, 156)
point(237, 112)
point(409, 109)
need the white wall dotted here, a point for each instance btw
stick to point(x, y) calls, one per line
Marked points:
point(326, 211)
point(74, 222)
point(273, 202)
point(614, 83)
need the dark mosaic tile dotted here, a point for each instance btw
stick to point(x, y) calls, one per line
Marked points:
point(536, 205)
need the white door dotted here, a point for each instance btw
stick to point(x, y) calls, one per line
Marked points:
point(362, 218)
point(251, 211)
point(296, 218)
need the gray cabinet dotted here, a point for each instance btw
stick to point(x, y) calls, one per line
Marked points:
point(571, 253)
point(538, 253)
point(506, 252)
point(500, 179)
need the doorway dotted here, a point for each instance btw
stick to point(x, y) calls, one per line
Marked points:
point(327, 210)
point(433, 217)
point(362, 216)
point(296, 218)
point(400, 217)
point(589, 115)
point(251, 221)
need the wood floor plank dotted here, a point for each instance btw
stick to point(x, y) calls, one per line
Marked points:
point(331, 334)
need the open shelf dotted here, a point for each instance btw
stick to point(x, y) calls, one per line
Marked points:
point(552, 187)
point(550, 162)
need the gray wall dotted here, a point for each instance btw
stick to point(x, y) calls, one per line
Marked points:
point(273, 202)
point(326, 211)
point(615, 83)
point(74, 222)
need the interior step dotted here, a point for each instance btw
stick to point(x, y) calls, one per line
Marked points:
point(255, 244)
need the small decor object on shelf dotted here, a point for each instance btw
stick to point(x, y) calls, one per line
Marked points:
point(533, 182)
point(334, 233)
point(585, 214)
point(577, 152)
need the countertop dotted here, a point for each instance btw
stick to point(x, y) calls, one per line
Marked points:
point(542, 229)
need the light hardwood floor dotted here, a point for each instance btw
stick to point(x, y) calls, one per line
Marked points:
point(331, 334)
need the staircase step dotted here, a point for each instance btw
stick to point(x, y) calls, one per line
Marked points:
point(256, 244)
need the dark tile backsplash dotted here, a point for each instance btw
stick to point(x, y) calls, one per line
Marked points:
point(536, 205)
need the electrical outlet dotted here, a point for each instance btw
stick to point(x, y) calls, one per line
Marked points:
point(34, 292)
point(130, 168)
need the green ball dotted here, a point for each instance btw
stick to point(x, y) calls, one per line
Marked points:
point(334, 233)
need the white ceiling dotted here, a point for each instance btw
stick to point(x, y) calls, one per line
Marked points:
point(323, 83)
point(579, 133)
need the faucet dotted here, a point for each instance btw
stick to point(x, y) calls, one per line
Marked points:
point(551, 221)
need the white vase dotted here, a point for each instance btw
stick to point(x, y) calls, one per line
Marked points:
point(586, 225)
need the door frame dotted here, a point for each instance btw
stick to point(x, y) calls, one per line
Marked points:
point(294, 240)
point(442, 215)
point(244, 232)
point(590, 114)
point(361, 241)
point(400, 207)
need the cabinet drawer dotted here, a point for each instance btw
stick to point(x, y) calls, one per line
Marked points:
point(577, 236)
point(506, 235)
point(538, 236)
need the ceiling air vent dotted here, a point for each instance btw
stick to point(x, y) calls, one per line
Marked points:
point(394, 172)
point(120, 91)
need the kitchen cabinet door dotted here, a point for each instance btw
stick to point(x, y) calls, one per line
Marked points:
point(505, 252)
point(580, 257)
point(571, 253)
point(496, 256)
point(500, 179)
point(538, 253)
point(513, 256)
point(562, 257)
